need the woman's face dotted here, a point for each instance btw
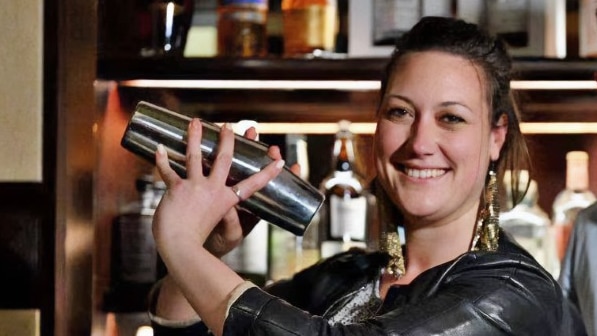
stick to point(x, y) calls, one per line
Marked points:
point(434, 141)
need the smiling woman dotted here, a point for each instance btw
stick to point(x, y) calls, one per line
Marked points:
point(446, 131)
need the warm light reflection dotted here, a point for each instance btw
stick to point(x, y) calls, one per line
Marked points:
point(169, 26)
point(369, 128)
point(554, 85)
point(343, 85)
point(144, 331)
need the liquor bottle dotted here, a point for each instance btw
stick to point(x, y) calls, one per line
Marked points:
point(309, 25)
point(242, 28)
point(344, 213)
point(134, 260)
point(572, 199)
point(163, 26)
point(528, 223)
point(275, 28)
point(285, 252)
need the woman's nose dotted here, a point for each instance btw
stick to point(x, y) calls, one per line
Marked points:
point(422, 138)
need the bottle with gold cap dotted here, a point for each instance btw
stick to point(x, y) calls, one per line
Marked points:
point(343, 216)
point(572, 199)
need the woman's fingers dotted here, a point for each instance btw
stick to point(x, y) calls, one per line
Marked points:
point(166, 172)
point(223, 161)
point(296, 169)
point(274, 152)
point(193, 155)
point(249, 186)
point(251, 133)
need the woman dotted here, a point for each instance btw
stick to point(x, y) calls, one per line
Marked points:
point(446, 130)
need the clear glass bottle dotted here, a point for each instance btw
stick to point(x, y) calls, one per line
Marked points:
point(344, 213)
point(309, 25)
point(242, 28)
point(572, 199)
point(528, 223)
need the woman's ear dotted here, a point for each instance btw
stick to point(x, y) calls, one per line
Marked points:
point(498, 137)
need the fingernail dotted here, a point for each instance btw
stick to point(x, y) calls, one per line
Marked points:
point(228, 126)
point(195, 123)
point(280, 164)
point(161, 149)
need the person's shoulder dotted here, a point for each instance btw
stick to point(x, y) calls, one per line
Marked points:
point(588, 215)
point(509, 262)
point(510, 272)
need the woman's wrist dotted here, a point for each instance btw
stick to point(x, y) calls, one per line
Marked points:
point(168, 306)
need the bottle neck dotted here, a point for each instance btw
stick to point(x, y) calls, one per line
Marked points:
point(343, 155)
point(577, 175)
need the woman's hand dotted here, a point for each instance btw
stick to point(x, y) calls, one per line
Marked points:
point(202, 208)
point(238, 223)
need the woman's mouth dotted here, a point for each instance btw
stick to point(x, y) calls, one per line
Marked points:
point(424, 173)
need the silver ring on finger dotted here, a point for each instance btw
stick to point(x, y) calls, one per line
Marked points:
point(236, 190)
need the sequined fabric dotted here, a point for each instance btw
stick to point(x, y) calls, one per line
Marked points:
point(356, 306)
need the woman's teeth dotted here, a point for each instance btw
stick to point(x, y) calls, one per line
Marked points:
point(424, 173)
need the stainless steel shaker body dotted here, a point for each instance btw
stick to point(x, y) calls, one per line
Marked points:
point(286, 201)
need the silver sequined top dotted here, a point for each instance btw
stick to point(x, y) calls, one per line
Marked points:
point(356, 306)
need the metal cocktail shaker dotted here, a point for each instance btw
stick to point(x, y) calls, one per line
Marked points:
point(286, 201)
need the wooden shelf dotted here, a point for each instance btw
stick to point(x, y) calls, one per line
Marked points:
point(310, 69)
point(325, 105)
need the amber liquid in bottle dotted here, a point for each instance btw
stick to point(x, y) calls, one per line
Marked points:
point(308, 25)
point(242, 28)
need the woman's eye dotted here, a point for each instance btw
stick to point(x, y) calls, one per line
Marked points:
point(397, 113)
point(452, 119)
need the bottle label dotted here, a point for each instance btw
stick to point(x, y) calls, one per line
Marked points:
point(348, 217)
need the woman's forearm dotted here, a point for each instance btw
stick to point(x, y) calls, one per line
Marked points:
point(206, 282)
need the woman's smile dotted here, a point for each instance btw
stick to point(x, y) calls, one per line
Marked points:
point(423, 173)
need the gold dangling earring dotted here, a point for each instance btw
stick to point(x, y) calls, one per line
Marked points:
point(389, 238)
point(488, 229)
point(390, 243)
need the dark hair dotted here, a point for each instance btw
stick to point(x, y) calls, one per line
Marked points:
point(469, 41)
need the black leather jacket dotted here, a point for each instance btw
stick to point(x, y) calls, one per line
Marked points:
point(501, 293)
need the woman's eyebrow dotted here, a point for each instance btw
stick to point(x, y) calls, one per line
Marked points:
point(397, 96)
point(452, 103)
